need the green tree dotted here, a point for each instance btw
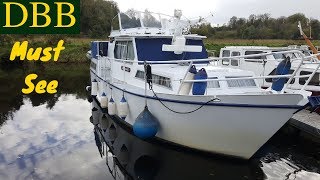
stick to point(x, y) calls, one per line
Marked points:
point(96, 17)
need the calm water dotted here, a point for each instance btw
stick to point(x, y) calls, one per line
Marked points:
point(51, 137)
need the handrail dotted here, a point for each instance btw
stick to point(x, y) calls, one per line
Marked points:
point(244, 78)
point(218, 58)
point(293, 74)
point(311, 76)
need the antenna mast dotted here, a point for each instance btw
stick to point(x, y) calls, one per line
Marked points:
point(314, 50)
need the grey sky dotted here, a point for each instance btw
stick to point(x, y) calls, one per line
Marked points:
point(223, 10)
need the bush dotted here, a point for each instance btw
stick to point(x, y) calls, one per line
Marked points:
point(6, 39)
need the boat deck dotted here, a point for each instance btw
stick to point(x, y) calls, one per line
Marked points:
point(307, 122)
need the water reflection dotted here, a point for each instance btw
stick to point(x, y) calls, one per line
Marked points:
point(128, 157)
point(72, 80)
point(47, 136)
point(43, 143)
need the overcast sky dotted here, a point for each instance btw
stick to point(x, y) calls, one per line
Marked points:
point(223, 10)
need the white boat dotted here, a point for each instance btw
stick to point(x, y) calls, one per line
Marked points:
point(88, 55)
point(264, 65)
point(230, 114)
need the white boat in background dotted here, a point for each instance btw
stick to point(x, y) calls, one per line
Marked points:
point(89, 55)
point(152, 61)
point(265, 65)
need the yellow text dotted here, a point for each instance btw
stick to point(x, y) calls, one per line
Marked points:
point(21, 50)
point(35, 14)
point(51, 87)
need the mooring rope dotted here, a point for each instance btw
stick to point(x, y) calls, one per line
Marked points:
point(180, 112)
point(148, 80)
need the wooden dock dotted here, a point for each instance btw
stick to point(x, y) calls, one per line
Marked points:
point(307, 122)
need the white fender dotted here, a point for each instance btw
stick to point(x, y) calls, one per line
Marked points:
point(123, 108)
point(185, 87)
point(94, 88)
point(111, 107)
point(88, 88)
point(104, 100)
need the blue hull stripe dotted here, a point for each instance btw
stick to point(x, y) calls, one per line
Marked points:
point(209, 104)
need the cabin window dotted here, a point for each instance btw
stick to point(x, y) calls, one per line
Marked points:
point(235, 62)
point(277, 56)
point(213, 84)
point(274, 73)
point(315, 81)
point(306, 53)
point(280, 56)
point(156, 79)
point(254, 57)
point(235, 53)
point(241, 82)
point(226, 53)
point(124, 50)
point(103, 48)
point(225, 62)
point(140, 74)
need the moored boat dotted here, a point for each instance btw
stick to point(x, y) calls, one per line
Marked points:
point(266, 62)
point(154, 68)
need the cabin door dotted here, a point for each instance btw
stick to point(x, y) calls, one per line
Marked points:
point(124, 52)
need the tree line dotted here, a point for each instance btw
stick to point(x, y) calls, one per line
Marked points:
point(261, 26)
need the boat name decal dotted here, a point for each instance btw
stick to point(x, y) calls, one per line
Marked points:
point(127, 69)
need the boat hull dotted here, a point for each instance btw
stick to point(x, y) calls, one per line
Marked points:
point(230, 127)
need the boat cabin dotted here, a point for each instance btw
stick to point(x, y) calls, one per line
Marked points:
point(141, 37)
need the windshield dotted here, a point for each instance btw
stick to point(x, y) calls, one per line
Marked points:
point(135, 19)
point(130, 20)
point(151, 20)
